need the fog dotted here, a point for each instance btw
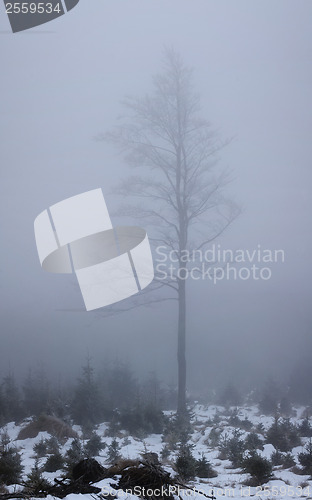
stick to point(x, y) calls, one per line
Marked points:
point(62, 84)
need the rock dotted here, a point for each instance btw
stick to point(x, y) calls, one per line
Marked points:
point(88, 471)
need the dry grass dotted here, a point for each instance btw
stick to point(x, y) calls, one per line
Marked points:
point(53, 425)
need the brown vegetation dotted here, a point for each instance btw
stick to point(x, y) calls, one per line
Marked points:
point(47, 423)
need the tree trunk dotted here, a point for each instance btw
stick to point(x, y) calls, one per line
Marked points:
point(181, 349)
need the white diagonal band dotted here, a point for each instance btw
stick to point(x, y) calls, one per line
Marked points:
point(110, 264)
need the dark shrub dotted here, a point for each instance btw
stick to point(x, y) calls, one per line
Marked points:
point(253, 442)
point(113, 452)
point(52, 445)
point(288, 460)
point(177, 429)
point(204, 469)
point(277, 458)
point(230, 397)
point(300, 388)
point(54, 462)
point(216, 418)
point(73, 455)
point(142, 420)
point(186, 463)
point(10, 466)
point(234, 420)
point(40, 448)
point(268, 404)
point(258, 467)
point(223, 447)
point(94, 445)
point(86, 405)
point(260, 428)
point(284, 459)
point(114, 424)
point(10, 462)
point(305, 458)
point(285, 407)
point(232, 448)
point(36, 484)
point(165, 452)
point(245, 424)
point(214, 437)
point(305, 429)
point(283, 435)
point(236, 450)
point(275, 436)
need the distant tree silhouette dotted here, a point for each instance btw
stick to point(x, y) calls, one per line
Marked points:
point(182, 197)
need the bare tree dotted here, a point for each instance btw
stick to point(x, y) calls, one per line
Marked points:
point(182, 195)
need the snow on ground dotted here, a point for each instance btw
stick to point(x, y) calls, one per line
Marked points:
point(228, 483)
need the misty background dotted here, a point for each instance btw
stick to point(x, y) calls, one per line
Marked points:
point(62, 84)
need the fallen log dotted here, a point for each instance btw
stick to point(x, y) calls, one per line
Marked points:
point(151, 482)
point(143, 478)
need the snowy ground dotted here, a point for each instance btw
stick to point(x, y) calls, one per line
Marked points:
point(228, 483)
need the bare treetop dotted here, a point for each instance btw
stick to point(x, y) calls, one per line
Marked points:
point(179, 188)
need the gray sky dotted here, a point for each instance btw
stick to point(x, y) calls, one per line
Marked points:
point(62, 84)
